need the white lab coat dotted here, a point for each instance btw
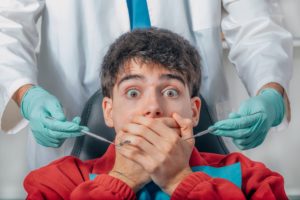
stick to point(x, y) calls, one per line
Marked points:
point(75, 35)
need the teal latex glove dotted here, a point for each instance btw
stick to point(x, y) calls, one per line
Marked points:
point(250, 125)
point(36, 105)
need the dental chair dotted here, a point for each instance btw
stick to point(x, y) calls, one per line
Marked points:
point(86, 147)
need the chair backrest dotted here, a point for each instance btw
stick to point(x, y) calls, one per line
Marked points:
point(86, 147)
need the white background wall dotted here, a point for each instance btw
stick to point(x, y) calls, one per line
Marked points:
point(279, 152)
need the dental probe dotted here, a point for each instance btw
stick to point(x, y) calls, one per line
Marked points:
point(91, 134)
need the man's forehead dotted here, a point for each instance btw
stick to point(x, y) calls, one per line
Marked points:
point(141, 70)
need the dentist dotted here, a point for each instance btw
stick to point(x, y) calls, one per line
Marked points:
point(75, 35)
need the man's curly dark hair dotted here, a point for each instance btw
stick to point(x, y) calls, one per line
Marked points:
point(154, 45)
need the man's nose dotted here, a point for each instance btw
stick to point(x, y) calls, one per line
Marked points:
point(153, 107)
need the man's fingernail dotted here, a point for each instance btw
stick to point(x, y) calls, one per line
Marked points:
point(124, 142)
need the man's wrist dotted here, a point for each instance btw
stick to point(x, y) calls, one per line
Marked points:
point(18, 95)
point(126, 179)
point(172, 185)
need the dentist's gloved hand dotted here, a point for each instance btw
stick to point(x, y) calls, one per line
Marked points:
point(250, 125)
point(37, 104)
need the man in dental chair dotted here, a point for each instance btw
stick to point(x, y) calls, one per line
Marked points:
point(150, 82)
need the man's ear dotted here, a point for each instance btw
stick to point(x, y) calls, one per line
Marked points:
point(108, 111)
point(196, 107)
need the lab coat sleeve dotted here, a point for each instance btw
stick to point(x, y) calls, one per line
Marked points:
point(260, 49)
point(18, 41)
point(258, 182)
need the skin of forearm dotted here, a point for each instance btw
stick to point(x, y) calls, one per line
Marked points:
point(273, 85)
point(18, 95)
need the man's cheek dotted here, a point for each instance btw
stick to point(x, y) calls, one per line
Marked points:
point(186, 112)
point(182, 111)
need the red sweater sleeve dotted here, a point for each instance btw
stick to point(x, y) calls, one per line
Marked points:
point(258, 182)
point(56, 180)
point(103, 187)
point(201, 186)
point(68, 178)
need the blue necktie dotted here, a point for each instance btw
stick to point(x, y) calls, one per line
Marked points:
point(138, 14)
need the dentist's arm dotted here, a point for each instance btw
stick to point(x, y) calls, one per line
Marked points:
point(259, 47)
point(18, 40)
point(36, 105)
point(18, 95)
point(249, 126)
point(261, 51)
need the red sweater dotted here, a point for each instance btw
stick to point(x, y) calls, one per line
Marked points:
point(68, 178)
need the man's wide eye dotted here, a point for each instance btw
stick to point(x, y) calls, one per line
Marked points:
point(132, 93)
point(170, 93)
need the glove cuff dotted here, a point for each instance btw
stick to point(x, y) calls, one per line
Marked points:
point(274, 99)
point(23, 104)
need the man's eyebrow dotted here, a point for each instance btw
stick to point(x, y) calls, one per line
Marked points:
point(141, 77)
point(172, 76)
point(131, 76)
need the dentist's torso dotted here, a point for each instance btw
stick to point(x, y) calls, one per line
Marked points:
point(77, 34)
